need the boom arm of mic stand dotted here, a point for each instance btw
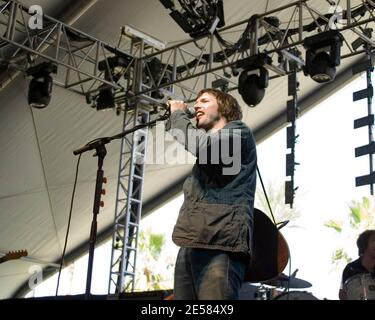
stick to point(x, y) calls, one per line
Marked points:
point(103, 141)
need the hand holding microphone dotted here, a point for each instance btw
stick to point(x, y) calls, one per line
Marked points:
point(174, 105)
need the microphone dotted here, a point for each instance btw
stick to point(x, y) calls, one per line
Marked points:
point(190, 111)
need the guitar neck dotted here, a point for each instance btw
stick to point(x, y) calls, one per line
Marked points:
point(13, 255)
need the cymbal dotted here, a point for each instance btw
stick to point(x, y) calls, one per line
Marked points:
point(283, 281)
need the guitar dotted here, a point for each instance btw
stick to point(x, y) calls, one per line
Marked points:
point(13, 255)
point(270, 252)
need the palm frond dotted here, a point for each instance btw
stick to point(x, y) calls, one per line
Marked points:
point(336, 225)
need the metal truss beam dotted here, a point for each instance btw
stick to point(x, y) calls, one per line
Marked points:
point(130, 183)
point(187, 66)
point(128, 204)
point(76, 53)
point(197, 63)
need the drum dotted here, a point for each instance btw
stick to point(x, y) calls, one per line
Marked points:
point(361, 287)
point(250, 291)
point(295, 295)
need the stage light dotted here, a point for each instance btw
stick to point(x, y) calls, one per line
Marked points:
point(155, 74)
point(252, 86)
point(40, 92)
point(323, 71)
point(113, 68)
point(323, 55)
point(106, 98)
point(254, 78)
point(197, 18)
point(40, 86)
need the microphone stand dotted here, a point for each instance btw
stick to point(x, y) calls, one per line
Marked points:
point(99, 146)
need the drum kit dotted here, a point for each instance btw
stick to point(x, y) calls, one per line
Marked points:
point(270, 254)
point(361, 287)
point(277, 289)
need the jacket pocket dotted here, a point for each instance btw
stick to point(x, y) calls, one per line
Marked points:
point(213, 225)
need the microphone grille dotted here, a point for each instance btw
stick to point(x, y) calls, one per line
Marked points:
point(190, 112)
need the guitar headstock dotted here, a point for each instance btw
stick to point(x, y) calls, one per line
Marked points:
point(13, 255)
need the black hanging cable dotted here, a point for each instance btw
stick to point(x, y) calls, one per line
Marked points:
point(69, 220)
point(265, 194)
point(266, 6)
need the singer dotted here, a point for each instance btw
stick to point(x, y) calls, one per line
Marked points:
point(365, 264)
point(215, 223)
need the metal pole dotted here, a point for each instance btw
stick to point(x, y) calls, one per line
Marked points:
point(369, 111)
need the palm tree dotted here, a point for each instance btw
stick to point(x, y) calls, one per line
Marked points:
point(276, 196)
point(361, 216)
point(153, 272)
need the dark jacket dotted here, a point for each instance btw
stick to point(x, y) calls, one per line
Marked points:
point(351, 269)
point(217, 212)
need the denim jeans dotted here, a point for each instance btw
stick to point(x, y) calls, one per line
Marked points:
point(205, 274)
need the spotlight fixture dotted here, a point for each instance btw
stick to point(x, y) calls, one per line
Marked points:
point(197, 18)
point(156, 73)
point(254, 79)
point(252, 87)
point(113, 68)
point(323, 55)
point(105, 99)
point(40, 86)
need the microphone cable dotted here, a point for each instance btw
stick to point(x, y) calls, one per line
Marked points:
point(69, 220)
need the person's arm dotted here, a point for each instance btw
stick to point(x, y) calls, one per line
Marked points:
point(223, 147)
point(182, 129)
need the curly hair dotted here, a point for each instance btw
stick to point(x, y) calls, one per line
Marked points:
point(228, 105)
point(363, 240)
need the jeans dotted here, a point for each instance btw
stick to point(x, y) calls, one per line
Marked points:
point(205, 274)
